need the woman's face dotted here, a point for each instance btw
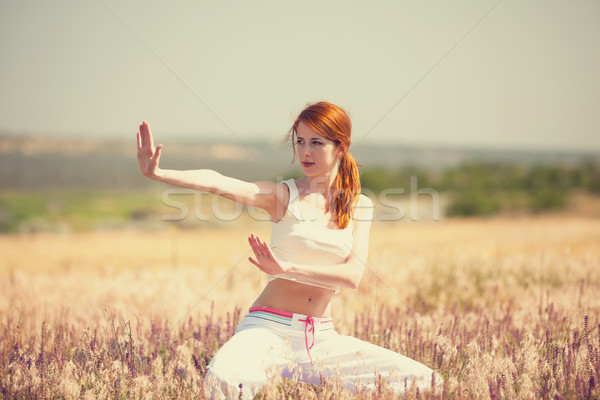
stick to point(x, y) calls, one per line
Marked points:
point(317, 154)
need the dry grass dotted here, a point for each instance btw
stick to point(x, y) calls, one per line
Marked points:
point(503, 308)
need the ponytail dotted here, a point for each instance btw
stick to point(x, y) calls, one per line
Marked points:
point(345, 191)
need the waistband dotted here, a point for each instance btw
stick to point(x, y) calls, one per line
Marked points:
point(292, 320)
point(307, 323)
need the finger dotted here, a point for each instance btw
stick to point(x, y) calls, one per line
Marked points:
point(253, 245)
point(151, 140)
point(255, 262)
point(265, 250)
point(257, 248)
point(143, 135)
point(146, 131)
point(157, 154)
point(265, 247)
point(270, 253)
point(258, 240)
point(139, 140)
point(253, 240)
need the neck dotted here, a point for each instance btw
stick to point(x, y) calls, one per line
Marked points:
point(320, 184)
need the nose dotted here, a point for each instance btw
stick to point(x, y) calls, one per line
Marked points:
point(304, 149)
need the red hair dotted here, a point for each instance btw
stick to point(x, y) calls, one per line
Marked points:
point(333, 123)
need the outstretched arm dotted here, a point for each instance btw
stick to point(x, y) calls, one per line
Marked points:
point(346, 275)
point(270, 196)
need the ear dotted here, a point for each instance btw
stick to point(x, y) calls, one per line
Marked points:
point(341, 150)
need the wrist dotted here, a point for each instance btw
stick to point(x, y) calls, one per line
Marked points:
point(286, 267)
point(157, 174)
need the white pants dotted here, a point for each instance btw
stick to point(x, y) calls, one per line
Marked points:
point(270, 342)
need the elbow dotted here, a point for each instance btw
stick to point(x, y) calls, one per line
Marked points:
point(356, 269)
point(354, 279)
point(352, 284)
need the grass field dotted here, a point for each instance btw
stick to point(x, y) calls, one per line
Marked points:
point(504, 308)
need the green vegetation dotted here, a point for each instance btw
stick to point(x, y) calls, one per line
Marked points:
point(43, 211)
point(486, 188)
point(74, 210)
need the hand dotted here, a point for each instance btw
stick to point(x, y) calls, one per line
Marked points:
point(265, 259)
point(148, 156)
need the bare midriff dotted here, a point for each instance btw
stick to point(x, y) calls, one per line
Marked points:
point(286, 295)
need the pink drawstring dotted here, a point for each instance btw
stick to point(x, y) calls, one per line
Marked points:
point(309, 326)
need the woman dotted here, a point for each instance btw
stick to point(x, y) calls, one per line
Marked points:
point(319, 244)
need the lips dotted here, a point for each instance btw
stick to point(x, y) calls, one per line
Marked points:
point(307, 164)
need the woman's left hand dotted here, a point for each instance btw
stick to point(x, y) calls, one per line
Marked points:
point(265, 259)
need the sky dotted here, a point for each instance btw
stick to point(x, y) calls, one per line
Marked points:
point(501, 74)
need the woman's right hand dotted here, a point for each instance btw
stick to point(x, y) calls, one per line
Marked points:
point(148, 156)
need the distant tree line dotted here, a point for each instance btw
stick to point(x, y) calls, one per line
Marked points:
point(486, 188)
point(469, 189)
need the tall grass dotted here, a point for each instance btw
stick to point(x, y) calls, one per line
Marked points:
point(502, 309)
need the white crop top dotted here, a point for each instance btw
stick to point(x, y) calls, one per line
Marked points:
point(296, 240)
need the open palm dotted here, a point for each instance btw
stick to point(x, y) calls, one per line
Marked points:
point(265, 259)
point(148, 156)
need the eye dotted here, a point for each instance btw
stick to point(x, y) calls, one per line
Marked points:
point(317, 143)
point(299, 141)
